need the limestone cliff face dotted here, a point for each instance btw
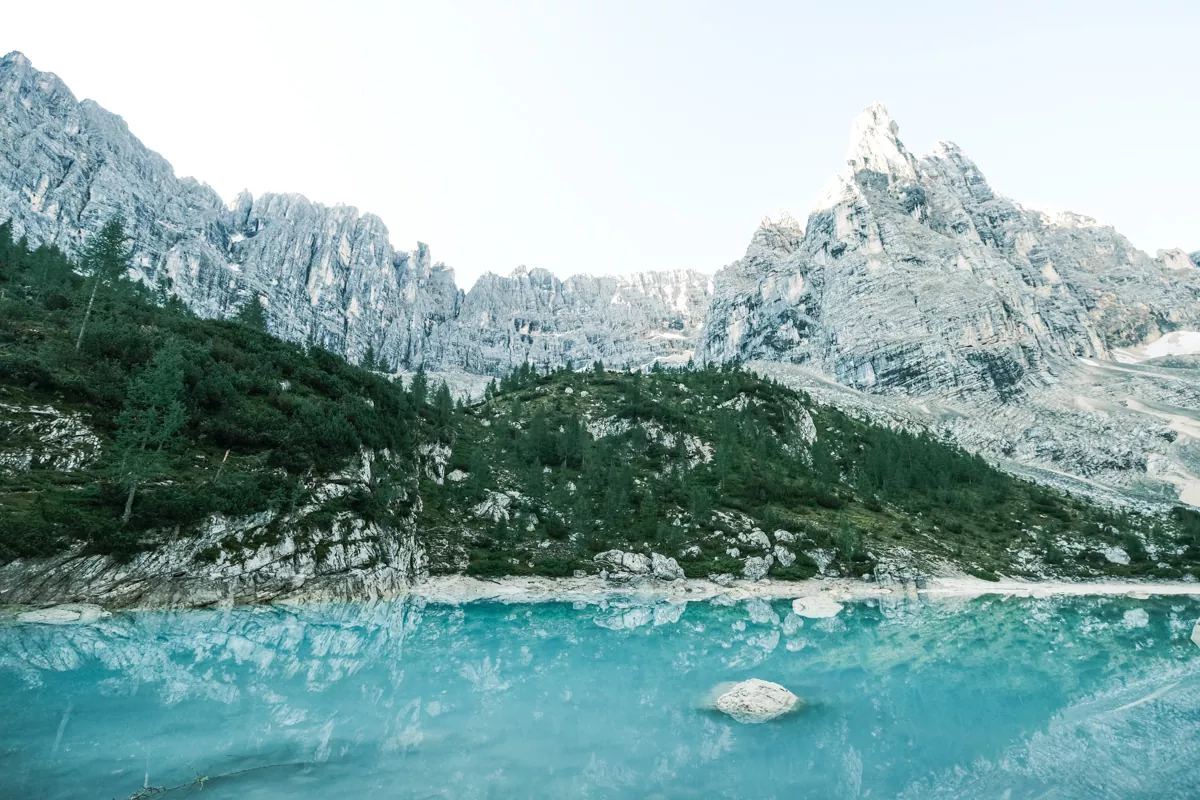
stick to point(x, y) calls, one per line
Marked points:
point(325, 275)
point(913, 275)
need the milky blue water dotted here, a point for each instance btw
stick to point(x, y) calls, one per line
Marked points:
point(1082, 698)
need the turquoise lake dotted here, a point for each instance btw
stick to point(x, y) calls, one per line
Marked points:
point(982, 698)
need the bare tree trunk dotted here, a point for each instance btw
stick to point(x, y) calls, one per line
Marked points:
point(221, 468)
point(129, 505)
point(88, 313)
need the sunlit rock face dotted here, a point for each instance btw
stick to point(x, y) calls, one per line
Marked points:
point(1005, 327)
point(913, 275)
point(326, 275)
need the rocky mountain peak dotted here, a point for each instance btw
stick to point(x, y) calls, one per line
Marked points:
point(875, 148)
point(875, 145)
point(15, 58)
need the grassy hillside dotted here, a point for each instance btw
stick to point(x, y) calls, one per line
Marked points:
point(136, 421)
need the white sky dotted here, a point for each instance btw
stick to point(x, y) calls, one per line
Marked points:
point(617, 136)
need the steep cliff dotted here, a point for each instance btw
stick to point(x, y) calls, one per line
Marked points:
point(325, 275)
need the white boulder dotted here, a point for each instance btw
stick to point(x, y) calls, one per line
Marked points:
point(756, 701)
point(820, 606)
point(63, 614)
point(665, 568)
point(754, 539)
point(621, 561)
point(1117, 555)
point(756, 567)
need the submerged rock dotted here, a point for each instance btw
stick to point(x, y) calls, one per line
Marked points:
point(816, 607)
point(64, 614)
point(756, 700)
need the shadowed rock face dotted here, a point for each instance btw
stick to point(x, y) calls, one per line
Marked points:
point(326, 275)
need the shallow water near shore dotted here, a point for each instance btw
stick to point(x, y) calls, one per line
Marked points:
point(1087, 697)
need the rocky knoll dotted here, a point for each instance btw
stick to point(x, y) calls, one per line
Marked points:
point(325, 275)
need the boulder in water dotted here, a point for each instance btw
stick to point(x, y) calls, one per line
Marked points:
point(755, 701)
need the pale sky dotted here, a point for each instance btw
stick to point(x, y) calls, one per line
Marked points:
point(610, 137)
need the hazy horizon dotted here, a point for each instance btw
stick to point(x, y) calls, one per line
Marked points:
point(631, 137)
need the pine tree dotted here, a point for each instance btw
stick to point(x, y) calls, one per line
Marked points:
point(479, 475)
point(105, 258)
point(443, 410)
point(419, 387)
point(252, 315)
point(7, 247)
point(149, 425)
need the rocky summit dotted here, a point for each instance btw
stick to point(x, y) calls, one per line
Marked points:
point(913, 294)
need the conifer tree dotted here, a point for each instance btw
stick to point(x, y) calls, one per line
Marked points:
point(419, 387)
point(105, 258)
point(252, 315)
point(443, 410)
point(150, 422)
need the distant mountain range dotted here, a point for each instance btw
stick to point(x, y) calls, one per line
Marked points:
point(912, 294)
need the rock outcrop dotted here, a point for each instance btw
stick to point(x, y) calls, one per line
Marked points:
point(270, 556)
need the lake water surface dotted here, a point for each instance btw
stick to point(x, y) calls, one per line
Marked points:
point(984, 698)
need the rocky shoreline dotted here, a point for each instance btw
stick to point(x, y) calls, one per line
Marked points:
point(812, 598)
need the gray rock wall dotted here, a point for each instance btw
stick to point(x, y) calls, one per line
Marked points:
point(329, 276)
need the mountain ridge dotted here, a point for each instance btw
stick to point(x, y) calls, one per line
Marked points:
point(327, 274)
point(912, 280)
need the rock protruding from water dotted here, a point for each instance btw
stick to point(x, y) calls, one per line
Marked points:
point(756, 701)
point(816, 607)
point(64, 614)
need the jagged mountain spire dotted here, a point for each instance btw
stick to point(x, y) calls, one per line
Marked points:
point(875, 144)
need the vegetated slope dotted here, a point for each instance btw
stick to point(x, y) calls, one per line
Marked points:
point(196, 417)
point(718, 466)
point(138, 428)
